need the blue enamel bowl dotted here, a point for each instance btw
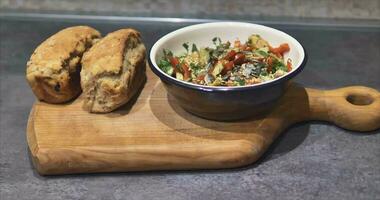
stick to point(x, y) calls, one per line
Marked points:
point(226, 103)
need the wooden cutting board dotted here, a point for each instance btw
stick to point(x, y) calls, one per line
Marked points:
point(154, 133)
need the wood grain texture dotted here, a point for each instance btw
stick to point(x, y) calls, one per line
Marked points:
point(153, 133)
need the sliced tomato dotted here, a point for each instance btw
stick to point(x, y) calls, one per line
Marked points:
point(289, 65)
point(270, 63)
point(186, 71)
point(174, 61)
point(285, 47)
point(227, 66)
point(239, 59)
point(279, 51)
point(230, 55)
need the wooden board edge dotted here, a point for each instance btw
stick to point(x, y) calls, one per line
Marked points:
point(32, 141)
point(91, 159)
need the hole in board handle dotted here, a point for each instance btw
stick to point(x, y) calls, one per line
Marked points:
point(359, 99)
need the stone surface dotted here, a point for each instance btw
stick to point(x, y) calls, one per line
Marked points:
point(309, 161)
point(364, 9)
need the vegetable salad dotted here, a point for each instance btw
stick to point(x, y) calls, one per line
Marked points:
point(226, 64)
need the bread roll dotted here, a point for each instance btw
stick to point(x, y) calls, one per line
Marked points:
point(112, 71)
point(54, 68)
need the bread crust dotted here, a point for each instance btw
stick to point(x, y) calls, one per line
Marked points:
point(113, 70)
point(54, 67)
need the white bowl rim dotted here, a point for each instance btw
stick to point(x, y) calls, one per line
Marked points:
point(162, 40)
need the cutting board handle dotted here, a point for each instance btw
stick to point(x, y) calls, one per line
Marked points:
point(355, 108)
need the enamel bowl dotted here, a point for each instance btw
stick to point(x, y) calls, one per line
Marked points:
point(225, 103)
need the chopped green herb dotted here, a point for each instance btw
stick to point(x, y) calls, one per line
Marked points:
point(194, 48)
point(214, 40)
point(195, 68)
point(165, 66)
point(167, 53)
point(217, 41)
point(263, 53)
point(278, 65)
point(240, 81)
point(186, 46)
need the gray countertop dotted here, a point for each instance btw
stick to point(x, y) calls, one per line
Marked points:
point(309, 161)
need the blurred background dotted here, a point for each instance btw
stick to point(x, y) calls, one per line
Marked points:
point(227, 9)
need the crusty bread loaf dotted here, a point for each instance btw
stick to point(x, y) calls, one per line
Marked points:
point(112, 71)
point(54, 68)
